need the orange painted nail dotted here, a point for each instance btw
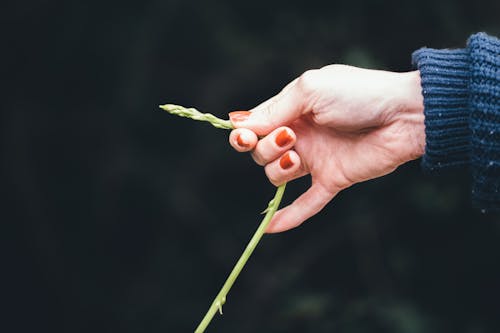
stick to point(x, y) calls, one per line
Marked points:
point(286, 161)
point(237, 116)
point(242, 143)
point(283, 138)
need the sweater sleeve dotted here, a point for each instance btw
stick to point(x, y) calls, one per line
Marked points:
point(461, 90)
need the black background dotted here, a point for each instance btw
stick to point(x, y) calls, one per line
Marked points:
point(117, 217)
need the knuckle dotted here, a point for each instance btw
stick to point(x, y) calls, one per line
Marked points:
point(258, 159)
point(268, 115)
point(272, 177)
point(334, 67)
point(307, 81)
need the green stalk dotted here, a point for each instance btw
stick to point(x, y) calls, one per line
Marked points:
point(272, 207)
point(197, 115)
point(220, 299)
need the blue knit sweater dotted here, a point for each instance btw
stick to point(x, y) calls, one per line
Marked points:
point(461, 90)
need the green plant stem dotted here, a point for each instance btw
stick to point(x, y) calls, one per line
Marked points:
point(220, 299)
point(192, 113)
point(272, 207)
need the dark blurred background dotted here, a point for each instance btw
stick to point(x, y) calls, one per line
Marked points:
point(117, 217)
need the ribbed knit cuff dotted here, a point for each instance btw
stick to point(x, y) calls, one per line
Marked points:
point(445, 78)
point(485, 120)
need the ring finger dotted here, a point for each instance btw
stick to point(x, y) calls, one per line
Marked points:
point(285, 168)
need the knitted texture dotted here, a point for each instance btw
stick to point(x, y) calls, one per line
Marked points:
point(445, 82)
point(461, 90)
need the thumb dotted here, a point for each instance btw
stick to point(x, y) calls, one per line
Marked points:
point(280, 110)
point(305, 206)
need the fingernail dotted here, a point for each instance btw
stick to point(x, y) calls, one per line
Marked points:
point(237, 116)
point(283, 138)
point(242, 143)
point(286, 161)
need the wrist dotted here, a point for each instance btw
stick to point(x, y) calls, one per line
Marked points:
point(411, 113)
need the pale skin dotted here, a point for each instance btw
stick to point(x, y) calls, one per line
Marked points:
point(339, 124)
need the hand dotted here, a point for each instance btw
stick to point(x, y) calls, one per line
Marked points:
point(340, 124)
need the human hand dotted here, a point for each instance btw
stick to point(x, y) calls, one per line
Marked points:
point(340, 124)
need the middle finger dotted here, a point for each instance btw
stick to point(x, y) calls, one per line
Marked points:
point(274, 145)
